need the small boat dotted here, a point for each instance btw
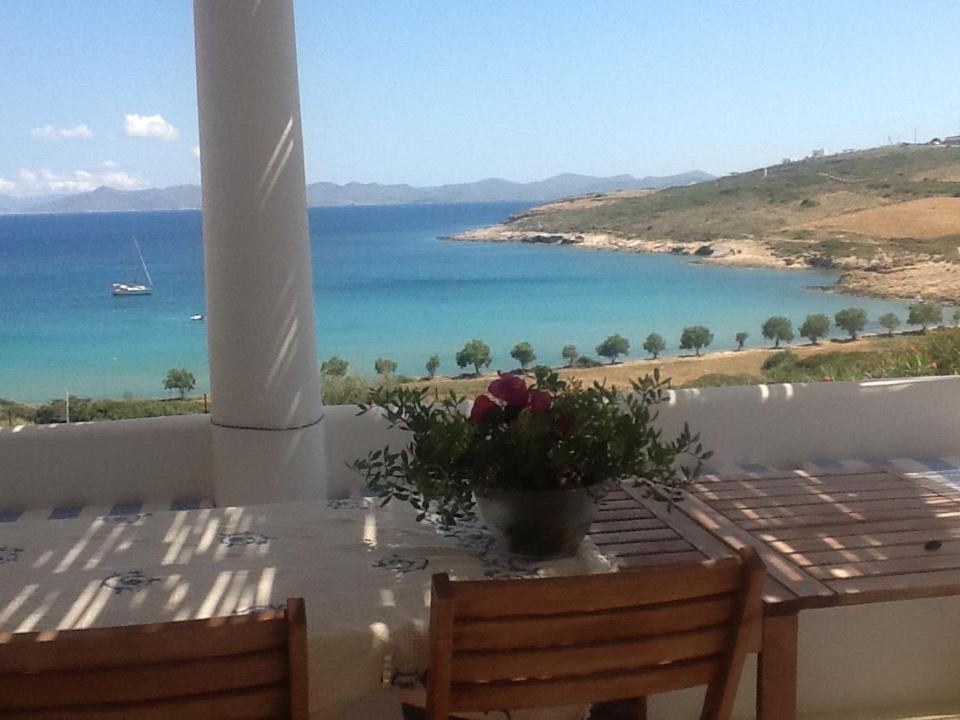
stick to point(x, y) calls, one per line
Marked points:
point(196, 318)
point(135, 288)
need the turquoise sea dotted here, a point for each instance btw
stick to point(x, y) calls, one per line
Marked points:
point(385, 286)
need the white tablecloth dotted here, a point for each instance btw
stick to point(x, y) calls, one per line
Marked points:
point(364, 571)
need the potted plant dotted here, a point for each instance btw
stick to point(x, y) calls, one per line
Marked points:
point(535, 458)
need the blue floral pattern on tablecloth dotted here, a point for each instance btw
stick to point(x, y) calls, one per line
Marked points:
point(350, 504)
point(402, 564)
point(128, 581)
point(126, 518)
point(259, 608)
point(237, 539)
point(9, 554)
point(497, 562)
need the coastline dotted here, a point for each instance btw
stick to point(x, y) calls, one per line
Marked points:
point(928, 280)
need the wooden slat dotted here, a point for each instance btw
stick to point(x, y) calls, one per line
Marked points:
point(636, 513)
point(872, 540)
point(607, 526)
point(841, 510)
point(649, 547)
point(940, 522)
point(629, 560)
point(587, 659)
point(867, 554)
point(594, 592)
point(895, 566)
point(819, 498)
point(261, 703)
point(794, 480)
point(761, 490)
point(815, 523)
point(163, 642)
point(625, 504)
point(537, 630)
point(143, 682)
point(942, 583)
point(581, 690)
point(701, 539)
point(634, 536)
point(793, 578)
point(718, 704)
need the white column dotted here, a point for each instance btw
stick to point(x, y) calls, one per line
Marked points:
point(267, 414)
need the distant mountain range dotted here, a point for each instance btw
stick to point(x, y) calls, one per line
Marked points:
point(326, 194)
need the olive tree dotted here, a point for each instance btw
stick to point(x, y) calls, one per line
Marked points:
point(695, 337)
point(476, 353)
point(654, 344)
point(523, 353)
point(433, 363)
point(889, 321)
point(778, 328)
point(613, 347)
point(925, 315)
point(181, 380)
point(741, 339)
point(570, 354)
point(851, 319)
point(815, 327)
point(384, 366)
point(334, 367)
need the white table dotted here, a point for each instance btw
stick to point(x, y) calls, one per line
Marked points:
point(363, 570)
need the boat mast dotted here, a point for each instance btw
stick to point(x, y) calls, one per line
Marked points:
point(143, 263)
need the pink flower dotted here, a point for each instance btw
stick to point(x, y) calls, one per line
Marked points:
point(510, 389)
point(539, 401)
point(482, 407)
point(827, 378)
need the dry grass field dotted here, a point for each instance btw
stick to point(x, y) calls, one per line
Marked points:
point(924, 219)
point(682, 370)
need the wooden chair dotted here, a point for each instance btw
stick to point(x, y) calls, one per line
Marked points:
point(510, 644)
point(247, 667)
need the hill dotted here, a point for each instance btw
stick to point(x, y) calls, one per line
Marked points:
point(889, 217)
point(325, 194)
point(489, 190)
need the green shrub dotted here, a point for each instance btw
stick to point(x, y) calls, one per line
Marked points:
point(723, 380)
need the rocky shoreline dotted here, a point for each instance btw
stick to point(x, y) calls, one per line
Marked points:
point(928, 280)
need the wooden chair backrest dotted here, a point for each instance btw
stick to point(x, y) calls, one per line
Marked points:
point(510, 644)
point(248, 666)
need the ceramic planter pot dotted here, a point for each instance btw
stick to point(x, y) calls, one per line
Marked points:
point(540, 524)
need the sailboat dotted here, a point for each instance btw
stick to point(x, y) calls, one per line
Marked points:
point(135, 288)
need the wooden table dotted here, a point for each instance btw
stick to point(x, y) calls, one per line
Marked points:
point(827, 539)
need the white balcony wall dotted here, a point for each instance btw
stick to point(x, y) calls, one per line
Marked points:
point(102, 463)
point(780, 425)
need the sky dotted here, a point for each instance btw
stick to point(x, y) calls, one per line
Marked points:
point(103, 91)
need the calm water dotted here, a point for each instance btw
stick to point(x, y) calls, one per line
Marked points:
point(385, 286)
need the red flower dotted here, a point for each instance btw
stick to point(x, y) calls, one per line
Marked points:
point(482, 406)
point(510, 389)
point(539, 401)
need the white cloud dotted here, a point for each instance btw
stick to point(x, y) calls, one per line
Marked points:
point(149, 126)
point(49, 132)
point(7, 186)
point(109, 164)
point(44, 181)
point(196, 151)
